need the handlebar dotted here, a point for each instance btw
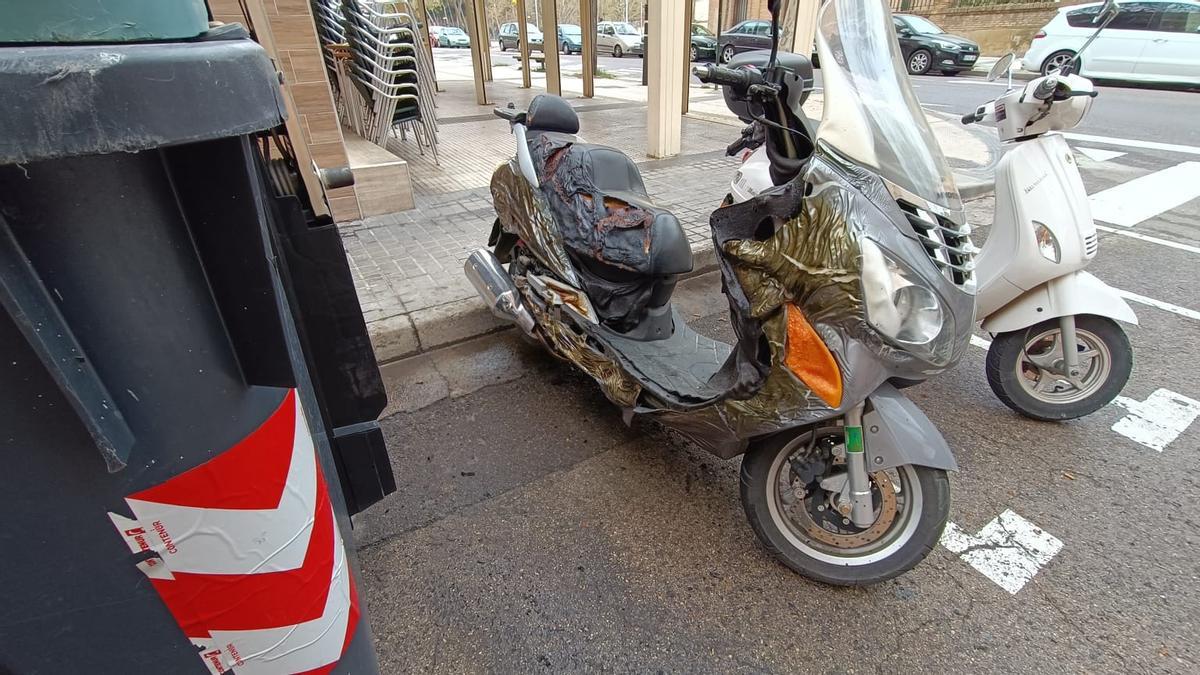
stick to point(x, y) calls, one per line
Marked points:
point(739, 80)
point(972, 117)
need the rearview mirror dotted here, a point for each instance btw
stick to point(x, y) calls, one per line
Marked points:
point(1000, 67)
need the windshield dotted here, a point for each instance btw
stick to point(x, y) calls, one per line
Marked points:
point(871, 114)
point(452, 31)
point(532, 29)
point(698, 29)
point(922, 26)
point(625, 29)
point(569, 29)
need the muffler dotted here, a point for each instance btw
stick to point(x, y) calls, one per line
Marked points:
point(496, 288)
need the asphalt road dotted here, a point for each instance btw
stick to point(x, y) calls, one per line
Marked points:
point(1121, 110)
point(533, 531)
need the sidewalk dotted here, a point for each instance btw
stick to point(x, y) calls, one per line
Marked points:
point(408, 266)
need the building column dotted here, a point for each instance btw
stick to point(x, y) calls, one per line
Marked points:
point(523, 44)
point(479, 47)
point(587, 54)
point(664, 62)
point(689, 7)
point(549, 50)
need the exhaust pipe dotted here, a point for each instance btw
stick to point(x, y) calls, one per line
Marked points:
point(497, 290)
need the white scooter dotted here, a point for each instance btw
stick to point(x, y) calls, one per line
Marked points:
point(1057, 352)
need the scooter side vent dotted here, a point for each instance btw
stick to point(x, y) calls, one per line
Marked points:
point(948, 245)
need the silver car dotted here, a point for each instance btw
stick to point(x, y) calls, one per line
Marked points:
point(618, 38)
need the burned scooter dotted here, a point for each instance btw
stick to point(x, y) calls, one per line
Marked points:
point(831, 292)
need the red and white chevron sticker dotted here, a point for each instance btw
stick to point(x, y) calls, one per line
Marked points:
point(250, 560)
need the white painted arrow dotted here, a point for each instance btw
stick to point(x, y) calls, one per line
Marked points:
point(1009, 550)
point(1158, 420)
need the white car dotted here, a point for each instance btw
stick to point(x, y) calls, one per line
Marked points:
point(1149, 41)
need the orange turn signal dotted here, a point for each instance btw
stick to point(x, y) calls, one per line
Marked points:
point(810, 360)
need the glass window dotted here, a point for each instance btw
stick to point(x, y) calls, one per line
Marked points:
point(623, 28)
point(923, 26)
point(701, 29)
point(1136, 16)
point(1179, 17)
point(1082, 18)
point(762, 28)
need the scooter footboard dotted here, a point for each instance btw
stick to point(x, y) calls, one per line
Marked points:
point(896, 432)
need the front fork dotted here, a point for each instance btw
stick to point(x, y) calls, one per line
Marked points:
point(1070, 347)
point(858, 483)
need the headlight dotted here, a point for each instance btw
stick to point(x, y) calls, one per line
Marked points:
point(1046, 242)
point(898, 304)
point(948, 46)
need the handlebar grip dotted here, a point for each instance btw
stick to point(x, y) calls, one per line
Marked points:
point(740, 80)
point(971, 117)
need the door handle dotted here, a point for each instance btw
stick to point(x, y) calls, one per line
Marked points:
point(1159, 40)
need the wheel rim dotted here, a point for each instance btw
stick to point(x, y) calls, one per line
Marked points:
point(617, 51)
point(919, 61)
point(726, 54)
point(693, 53)
point(1056, 62)
point(795, 510)
point(1039, 368)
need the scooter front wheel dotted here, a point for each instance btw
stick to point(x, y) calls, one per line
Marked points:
point(1025, 368)
point(798, 521)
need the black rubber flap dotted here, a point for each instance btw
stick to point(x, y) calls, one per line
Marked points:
point(62, 101)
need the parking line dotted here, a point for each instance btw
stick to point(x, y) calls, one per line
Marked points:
point(1147, 196)
point(1147, 238)
point(1131, 143)
point(1174, 309)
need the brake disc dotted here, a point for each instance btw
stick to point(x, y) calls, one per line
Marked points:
point(826, 525)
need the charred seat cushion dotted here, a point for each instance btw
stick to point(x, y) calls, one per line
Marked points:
point(551, 113)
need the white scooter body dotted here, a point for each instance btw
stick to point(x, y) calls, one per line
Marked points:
point(1038, 184)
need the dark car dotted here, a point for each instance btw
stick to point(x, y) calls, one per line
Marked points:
point(744, 37)
point(704, 43)
point(926, 47)
point(510, 37)
point(570, 38)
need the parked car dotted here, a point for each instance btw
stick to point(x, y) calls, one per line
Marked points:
point(510, 36)
point(1148, 41)
point(570, 38)
point(453, 37)
point(744, 37)
point(926, 47)
point(704, 43)
point(433, 35)
point(618, 38)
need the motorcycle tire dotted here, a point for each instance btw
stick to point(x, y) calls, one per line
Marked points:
point(904, 544)
point(1013, 389)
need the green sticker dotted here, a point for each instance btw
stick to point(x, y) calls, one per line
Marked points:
point(854, 439)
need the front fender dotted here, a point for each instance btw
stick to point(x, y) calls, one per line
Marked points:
point(896, 432)
point(1072, 294)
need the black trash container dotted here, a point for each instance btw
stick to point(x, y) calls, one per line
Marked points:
point(187, 392)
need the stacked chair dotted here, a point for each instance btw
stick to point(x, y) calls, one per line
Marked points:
point(378, 56)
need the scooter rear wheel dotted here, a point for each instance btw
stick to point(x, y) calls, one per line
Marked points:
point(1018, 374)
point(795, 520)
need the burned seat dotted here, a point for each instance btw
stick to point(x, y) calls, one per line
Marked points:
point(628, 251)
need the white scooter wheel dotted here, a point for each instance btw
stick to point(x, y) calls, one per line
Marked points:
point(796, 521)
point(1024, 368)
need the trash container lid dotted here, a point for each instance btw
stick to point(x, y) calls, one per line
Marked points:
point(67, 100)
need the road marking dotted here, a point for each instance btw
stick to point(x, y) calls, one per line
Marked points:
point(1098, 155)
point(1158, 420)
point(1153, 240)
point(1009, 550)
point(1174, 309)
point(1147, 196)
point(980, 342)
point(1131, 143)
